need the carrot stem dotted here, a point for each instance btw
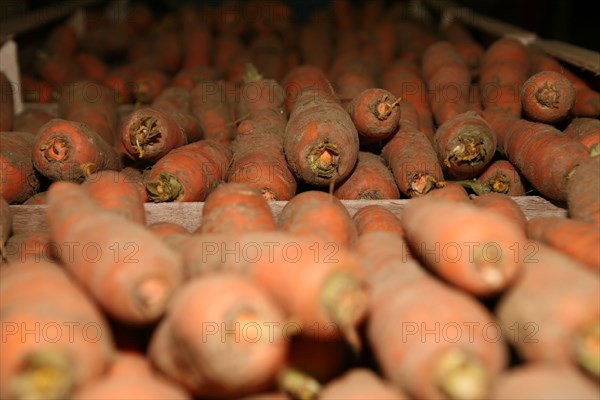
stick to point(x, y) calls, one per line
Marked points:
point(548, 95)
point(142, 133)
point(152, 294)
point(385, 108)
point(45, 375)
point(421, 184)
point(298, 384)
point(587, 348)
point(470, 149)
point(165, 188)
point(251, 74)
point(460, 376)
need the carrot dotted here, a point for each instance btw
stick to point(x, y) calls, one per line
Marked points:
point(316, 45)
point(36, 91)
point(6, 227)
point(344, 15)
point(500, 177)
point(504, 205)
point(321, 143)
point(93, 67)
point(583, 242)
point(450, 191)
point(18, 180)
point(370, 180)
point(148, 84)
point(541, 331)
point(351, 75)
point(424, 348)
point(62, 40)
point(115, 192)
point(259, 93)
point(136, 176)
point(190, 77)
point(471, 51)
point(475, 99)
point(583, 192)
point(214, 113)
point(376, 218)
point(6, 104)
point(242, 332)
point(465, 145)
point(54, 338)
point(66, 150)
point(360, 383)
point(318, 285)
point(585, 130)
point(135, 274)
point(375, 114)
point(500, 120)
point(302, 78)
point(188, 173)
point(318, 215)
point(164, 228)
point(36, 199)
point(538, 381)
point(56, 69)
point(34, 246)
point(268, 54)
point(235, 208)
point(411, 157)
point(197, 45)
point(544, 156)
point(467, 246)
point(547, 97)
point(31, 120)
point(131, 376)
point(120, 80)
point(226, 47)
point(321, 359)
point(587, 103)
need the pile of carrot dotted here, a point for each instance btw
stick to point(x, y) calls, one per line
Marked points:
point(235, 204)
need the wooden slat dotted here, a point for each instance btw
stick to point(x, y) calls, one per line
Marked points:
point(580, 57)
point(189, 215)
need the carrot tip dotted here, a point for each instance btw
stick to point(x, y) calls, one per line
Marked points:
point(345, 299)
point(298, 385)
point(151, 295)
point(587, 348)
point(44, 375)
point(460, 376)
point(595, 150)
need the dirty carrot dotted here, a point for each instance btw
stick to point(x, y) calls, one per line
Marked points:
point(370, 180)
point(18, 179)
point(585, 130)
point(500, 177)
point(547, 97)
point(583, 192)
point(503, 205)
point(375, 114)
point(360, 383)
point(377, 218)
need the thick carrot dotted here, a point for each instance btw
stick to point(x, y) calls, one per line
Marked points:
point(302, 78)
point(190, 77)
point(31, 120)
point(547, 97)
point(120, 80)
point(450, 191)
point(500, 120)
point(585, 130)
point(188, 173)
point(583, 242)
point(259, 93)
point(467, 246)
point(18, 179)
point(235, 208)
point(115, 192)
point(6, 224)
point(268, 54)
point(544, 156)
point(6, 104)
point(376, 218)
point(210, 106)
point(321, 143)
point(583, 192)
point(411, 157)
point(465, 145)
point(360, 383)
point(35, 246)
point(375, 114)
point(564, 328)
point(36, 199)
point(131, 376)
point(463, 41)
point(503, 205)
point(318, 215)
point(66, 150)
point(537, 381)
point(148, 84)
point(164, 228)
point(134, 273)
point(351, 75)
point(500, 177)
point(425, 348)
point(92, 66)
point(54, 339)
point(242, 329)
point(370, 180)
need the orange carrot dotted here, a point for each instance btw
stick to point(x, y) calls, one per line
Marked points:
point(302, 78)
point(583, 242)
point(471, 51)
point(148, 84)
point(6, 224)
point(197, 45)
point(450, 191)
point(467, 246)
point(268, 54)
point(541, 331)
point(190, 77)
point(188, 173)
point(242, 329)
point(500, 177)
point(316, 45)
point(34, 246)
point(375, 114)
point(583, 194)
point(93, 67)
point(214, 113)
point(544, 156)
point(136, 177)
point(360, 383)
point(54, 339)
point(115, 192)
point(503, 205)
point(547, 97)
point(376, 218)
point(31, 120)
point(164, 228)
point(56, 69)
point(411, 157)
point(6, 104)
point(226, 47)
point(370, 180)
point(62, 40)
point(318, 215)
point(259, 93)
point(415, 350)
point(118, 246)
point(235, 208)
point(585, 130)
point(350, 75)
point(36, 199)
point(18, 179)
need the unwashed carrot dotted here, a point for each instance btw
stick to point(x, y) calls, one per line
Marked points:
point(47, 362)
point(135, 274)
point(66, 150)
point(547, 97)
point(360, 383)
point(190, 77)
point(470, 50)
point(376, 218)
point(585, 130)
point(235, 315)
point(34, 246)
point(583, 192)
point(36, 199)
point(316, 44)
point(188, 173)
point(370, 180)
point(18, 180)
point(148, 84)
point(541, 331)
point(268, 54)
point(500, 177)
point(375, 114)
point(6, 104)
point(235, 208)
point(318, 215)
point(31, 120)
point(350, 75)
point(93, 67)
point(259, 93)
point(6, 224)
point(467, 246)
point(302, 78)
point(197, 45)
point(544, 156)
point(415, 350)
point(210, 106)
point(164, 228)
point(503, 205)
point(136, 177)
point(450, 191)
